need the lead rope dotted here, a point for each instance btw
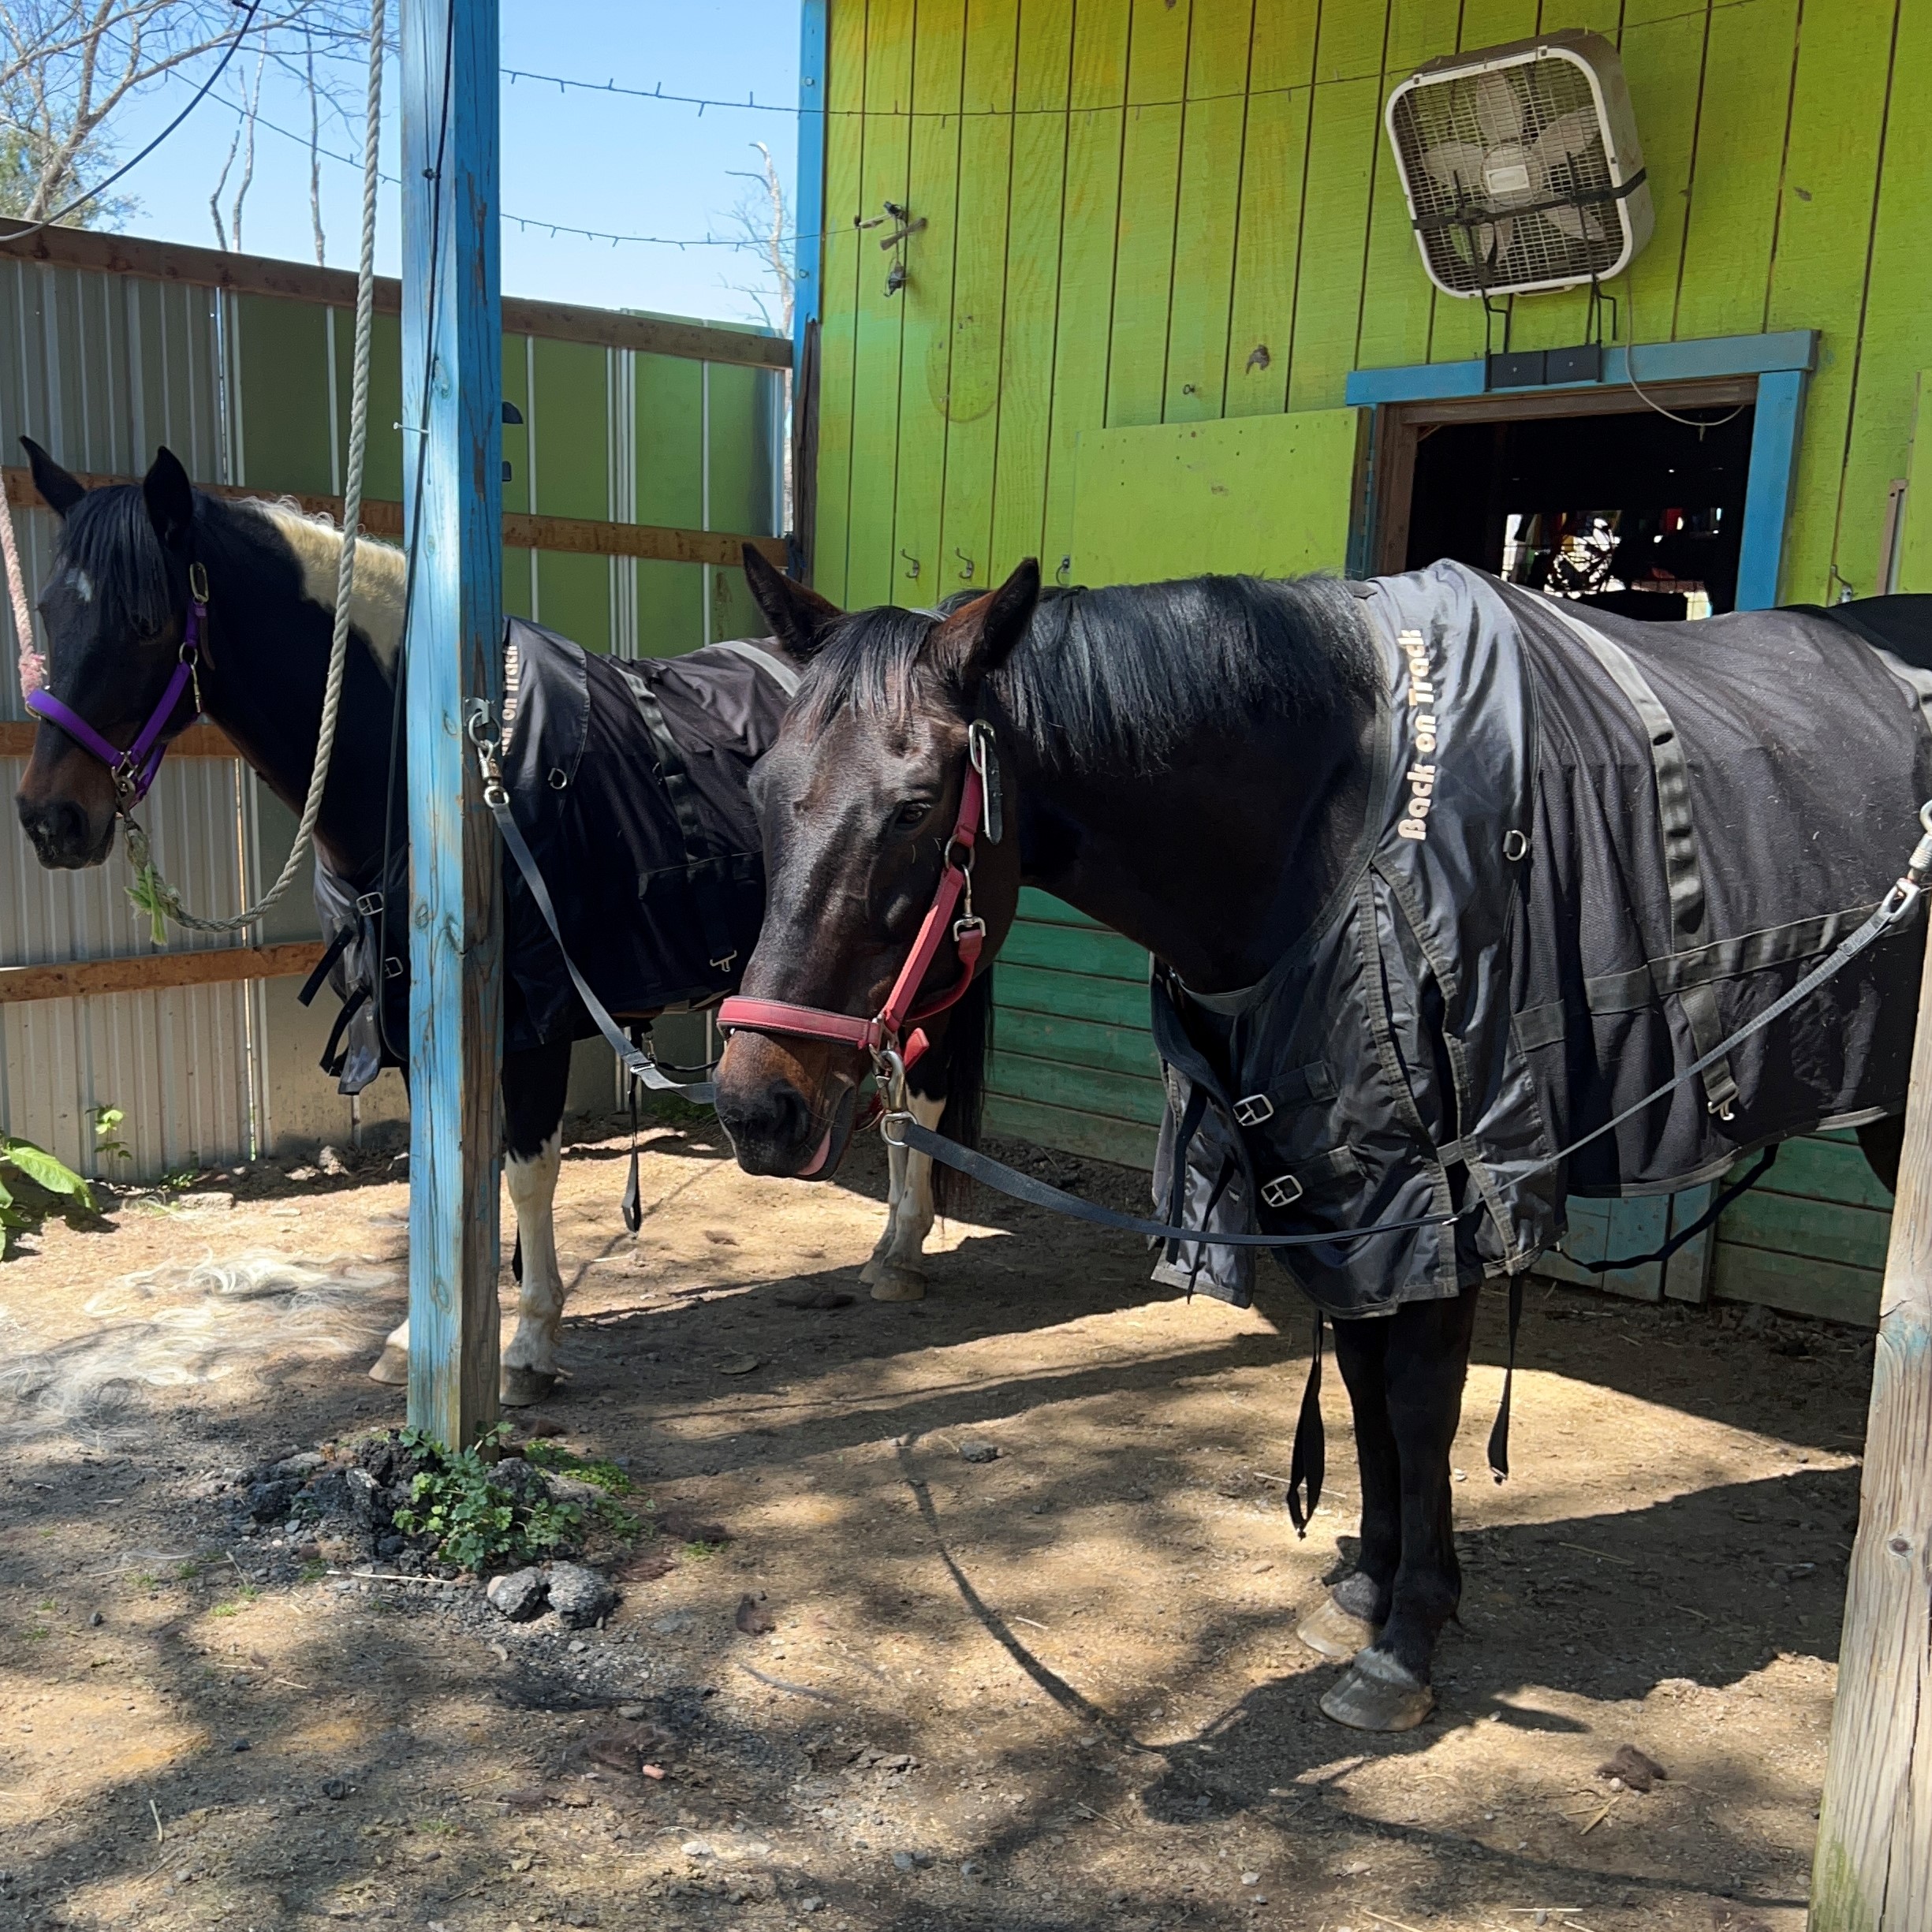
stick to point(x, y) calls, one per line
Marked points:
point(32, 665)
point(152, 891)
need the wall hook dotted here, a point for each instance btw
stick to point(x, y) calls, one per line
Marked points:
point(911, 565)
point(966, 576)
point(1064, 572)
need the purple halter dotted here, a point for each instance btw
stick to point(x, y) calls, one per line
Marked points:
point(134, 770)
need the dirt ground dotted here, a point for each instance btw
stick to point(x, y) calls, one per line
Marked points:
point(1059, 1689)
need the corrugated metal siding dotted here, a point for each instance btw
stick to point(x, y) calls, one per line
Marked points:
point(102, 369)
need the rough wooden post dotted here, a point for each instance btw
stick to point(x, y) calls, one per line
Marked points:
point(452, 493)
point(1873, 1869)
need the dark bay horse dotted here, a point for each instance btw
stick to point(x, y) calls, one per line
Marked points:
point(115, 606)
point(1197, 765)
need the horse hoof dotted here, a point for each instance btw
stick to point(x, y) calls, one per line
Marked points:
point(524, 1388)
point(391, 1366)
point(1377, 1694)
point(1331, 1631)
point(896, 1284)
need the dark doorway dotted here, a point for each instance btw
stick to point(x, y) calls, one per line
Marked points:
point(1633, 511)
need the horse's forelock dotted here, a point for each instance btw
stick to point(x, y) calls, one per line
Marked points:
point(864, 666)
point(108, 536)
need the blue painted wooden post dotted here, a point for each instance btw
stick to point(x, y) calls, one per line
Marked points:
point(453, 490)
point(808, 196)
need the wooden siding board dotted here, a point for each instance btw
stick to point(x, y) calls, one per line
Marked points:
point(971, 396)
point(1740, 156)
point(1036, 220)
point(1344, 132)
point(1663, 51)
point(1143, 256)
point(1393, 328)
point(1072, 1129)
point(1119, 1004)
point(1891, 333)
point(1119, 1096)
point(840, 401)
point(1268, 236)
point(1818, 273)
point(932, 192)
point(1079, 1043)
point(875, 573)
point(1084, 312)
point(1064, 948)
point(1213, 126)
point(1797, 1284)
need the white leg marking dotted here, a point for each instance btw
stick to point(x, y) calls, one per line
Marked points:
point(392, 1366)
point(540, 1305)
point(909, 1208)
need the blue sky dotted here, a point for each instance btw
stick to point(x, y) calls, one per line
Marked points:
point(596, 162)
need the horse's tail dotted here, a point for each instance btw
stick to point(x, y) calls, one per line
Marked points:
point(962, 1056)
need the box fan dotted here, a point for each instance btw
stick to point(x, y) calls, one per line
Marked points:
point(1522, 166)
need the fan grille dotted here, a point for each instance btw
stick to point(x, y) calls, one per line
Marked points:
point(1485, 155)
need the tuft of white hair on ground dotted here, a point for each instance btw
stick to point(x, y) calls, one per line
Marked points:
point(187, 1324)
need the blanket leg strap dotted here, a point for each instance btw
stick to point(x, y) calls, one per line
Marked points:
point(633, 1211)
point(1309, 1464)
point(1499, 1435)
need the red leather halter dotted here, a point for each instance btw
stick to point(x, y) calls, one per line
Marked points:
point(880, 1034)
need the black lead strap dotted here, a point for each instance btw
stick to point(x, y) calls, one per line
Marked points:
point(1311, 1458)
point(1499, 1435)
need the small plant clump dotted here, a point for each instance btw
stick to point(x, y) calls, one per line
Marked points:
point(477, 1521)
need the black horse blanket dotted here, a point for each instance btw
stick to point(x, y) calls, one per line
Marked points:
point(628, 780)
point(1595, 850)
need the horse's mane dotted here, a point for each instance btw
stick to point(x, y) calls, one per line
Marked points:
point(1121, 677)
point(108, 535)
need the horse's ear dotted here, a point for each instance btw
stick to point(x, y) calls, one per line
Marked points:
point(59, 491)
point(973, 643)
point(170, 498)
point(798, 616)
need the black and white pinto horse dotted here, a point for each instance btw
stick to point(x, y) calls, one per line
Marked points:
point(115, 607)
point(1209, 767)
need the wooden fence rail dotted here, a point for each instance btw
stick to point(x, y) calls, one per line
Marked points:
point(150, 973)
point(577, 536)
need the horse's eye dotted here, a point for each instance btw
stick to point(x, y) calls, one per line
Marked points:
point(911, 814)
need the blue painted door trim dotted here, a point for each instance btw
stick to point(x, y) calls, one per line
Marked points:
point(1780, 363)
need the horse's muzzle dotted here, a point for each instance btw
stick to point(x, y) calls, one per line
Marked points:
point(64, 835)
point(774, 1129)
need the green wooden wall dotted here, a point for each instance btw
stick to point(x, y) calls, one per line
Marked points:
point(614, 435)
point(1144, 212)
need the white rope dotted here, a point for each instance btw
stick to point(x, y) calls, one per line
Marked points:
point(156, 891)
point(33, 667)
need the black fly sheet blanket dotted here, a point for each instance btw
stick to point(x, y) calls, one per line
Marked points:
point(628, 780)
point(1593, 851)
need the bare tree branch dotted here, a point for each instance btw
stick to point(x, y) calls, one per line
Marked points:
point(67, 66)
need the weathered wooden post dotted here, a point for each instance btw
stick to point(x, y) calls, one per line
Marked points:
point(1873, 1869)
point(452, 492)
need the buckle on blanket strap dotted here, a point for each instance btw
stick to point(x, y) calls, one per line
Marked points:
point(1252, 1110)
point(1284, 1191)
